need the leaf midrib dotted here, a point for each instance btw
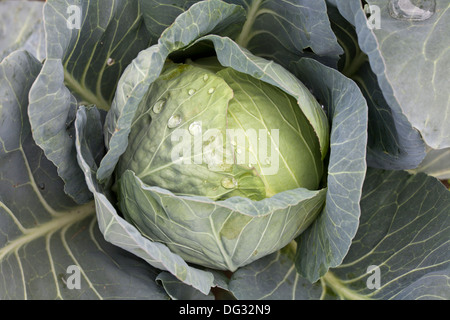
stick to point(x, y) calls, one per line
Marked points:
point(66, 218)
point(86, 94)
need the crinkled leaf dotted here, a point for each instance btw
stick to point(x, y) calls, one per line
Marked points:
point(392, 141)
point(410, 61)
point(82, 66)
point(327, 241)
point(282, 30)
point(230, 54)
point(21, 27)
point(42, 231)
point(206, 104)
point(114, 228)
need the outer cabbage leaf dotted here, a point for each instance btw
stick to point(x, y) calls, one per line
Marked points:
point(274, 277)
point(410, 61)
point(82, 66)
point(327, 241)
point(21, 27)
point(409, 248)
point(285, 31)
point(42, 231)
point(160, 14)
point(178, 290)
point(114, 228)
point(392, 143)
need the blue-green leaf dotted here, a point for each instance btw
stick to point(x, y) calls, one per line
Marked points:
point(21, 27)
point(114, 228)
point(44, 236)
point(282, 30)
point(178, 290)
point(410, 62)
point(404, 233)
point(88, 46)
point(392, 143)
point(327, 241)
point(274, 277)
point(397, 253)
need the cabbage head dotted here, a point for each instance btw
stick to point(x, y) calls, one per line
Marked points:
point(207, 133)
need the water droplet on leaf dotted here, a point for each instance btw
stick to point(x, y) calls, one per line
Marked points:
point(229, 183)
point(110, 61)
point(210, 91)
point(195, 128)
point(174, 121)
point(205, 77)
point(191, 92)
point(412, 10)
point(159, 105)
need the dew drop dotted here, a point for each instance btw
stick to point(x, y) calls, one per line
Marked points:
point(159, 105)
point(110, 61)
point(191, 92)
point(195, 128)
point(412, 10)
point(205, 77)
point(211, 91)
point(174, 121)
point(268, 161)
point(41, 186)
point(229, 183)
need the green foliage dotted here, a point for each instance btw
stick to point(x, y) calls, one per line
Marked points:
point(91, 95)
